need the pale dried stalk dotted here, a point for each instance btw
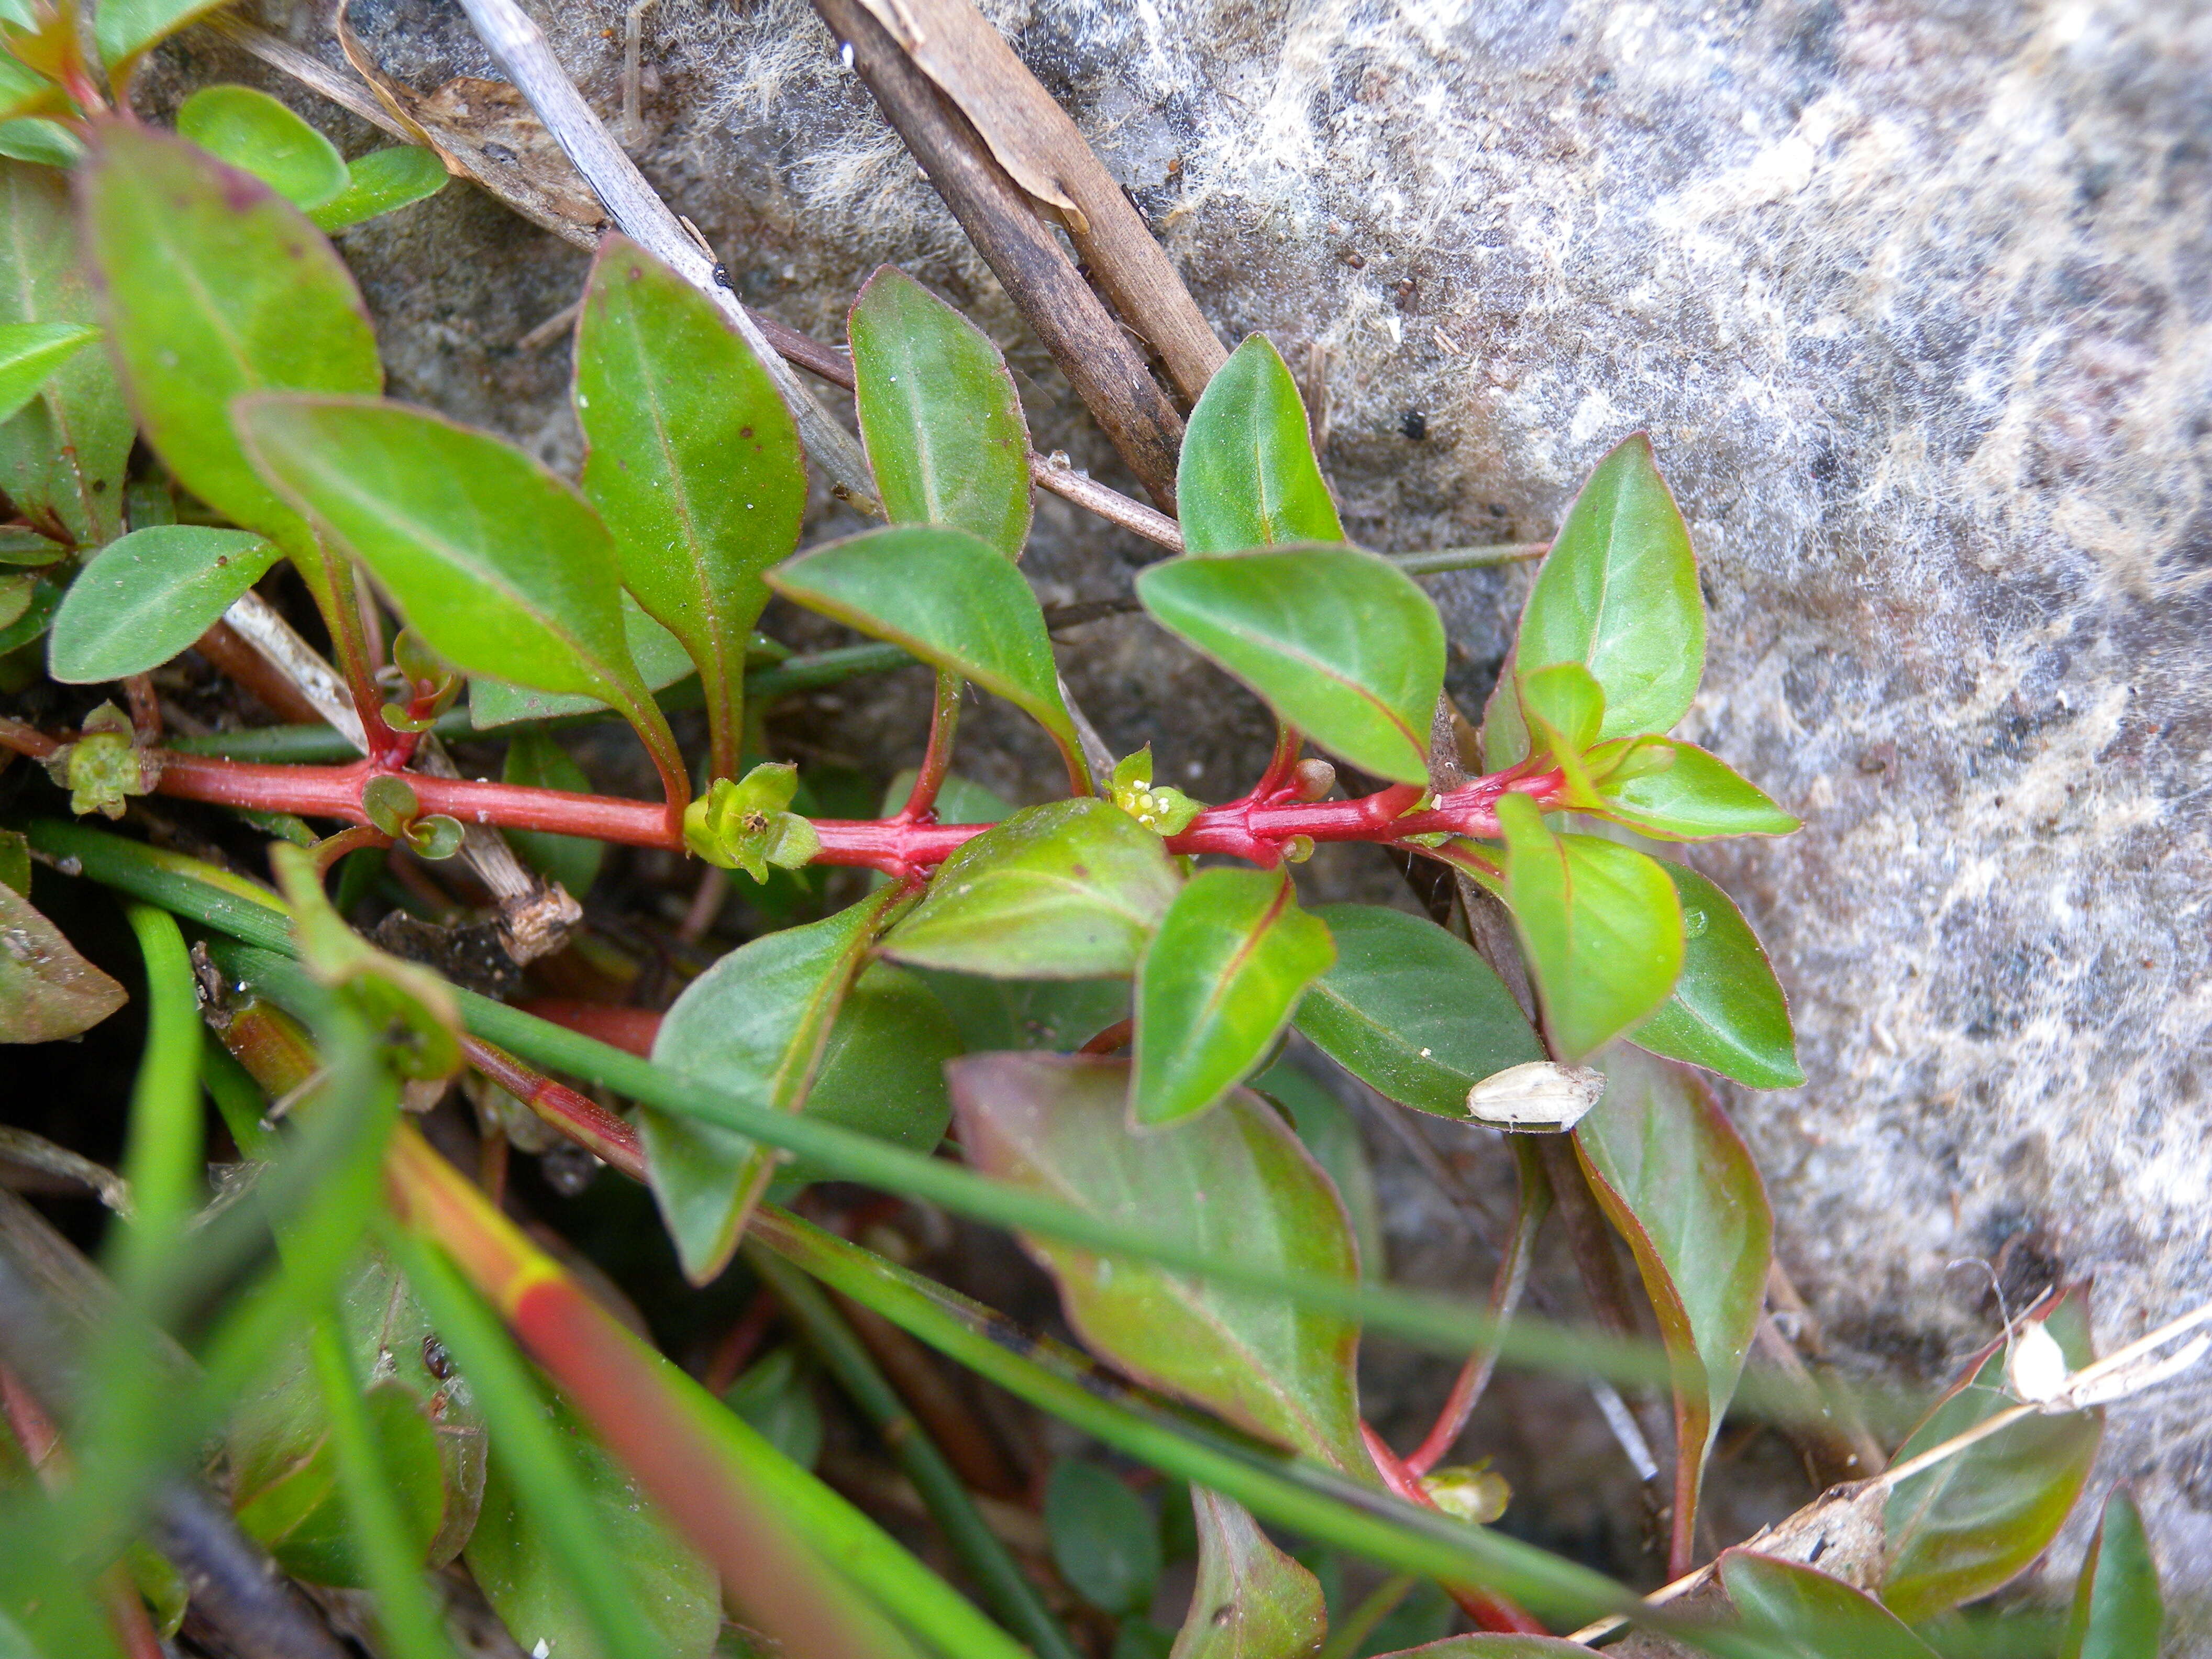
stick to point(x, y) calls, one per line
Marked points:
point(2116, 1377)
point(535, 916)
point(520, 47)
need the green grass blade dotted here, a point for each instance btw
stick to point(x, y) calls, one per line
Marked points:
point(166, 1151)
point(410, 1622)
point(548, 1483)
point(1003, 1585)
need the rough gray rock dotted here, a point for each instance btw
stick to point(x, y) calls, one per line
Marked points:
point(1917, 303)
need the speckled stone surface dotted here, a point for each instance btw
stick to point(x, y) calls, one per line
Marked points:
point(1915, 300)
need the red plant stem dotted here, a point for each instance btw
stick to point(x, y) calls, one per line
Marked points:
point(1488, 1611)
point(1505, 1291)
point(331, 849)
point(1254, 828)
point(26, 740)
point(937, 759)
point(1280, 764)
point(587, 1123)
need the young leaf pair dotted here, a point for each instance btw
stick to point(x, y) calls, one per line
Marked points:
point(1610, 650)
point(1338, 642)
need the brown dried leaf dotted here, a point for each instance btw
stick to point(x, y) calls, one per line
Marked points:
point(47, 990)
point(484, 130)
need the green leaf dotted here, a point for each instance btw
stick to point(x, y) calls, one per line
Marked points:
point(1819, 1617)
point(939, 413)
point(30, 356)
point(47, 991)
point(1216, 987)
point(1567, 698)
point(16, 861)
point(49, 143)
point(29, 550)
point(1104, 1539)
point(501, 568)
point(1252, 1600)
point(1248, 477)
point(1727, 1013)
point(1026, 1013)
point(31, 621)
point(17, 588)
point(661, 661)
point(773, 1397)
point(1974, 1521)
point(1618, 593)
point(755, 1024)
point(147, 596)
point(1600, 923)
point(1697, 798)
point(533, 758)
point(1071, 890)
point(952, 600)
point(23, 90)
point(62, 456)
point(1332, 1134)
point(1235, 1183)
point(256, 134)
point(125, 30)
point(521, 1568)
point(431, 1436)
point(396, 176)
point(1673, 1175)
point(216, 286)
point(1340, 643)
point(285, 1486)
point(2118, 1612)
point(1412, 1010)
point(694, 463)
point(882, 1071)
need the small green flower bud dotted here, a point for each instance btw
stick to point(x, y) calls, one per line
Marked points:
point(105, 766)
point(1472, 1491)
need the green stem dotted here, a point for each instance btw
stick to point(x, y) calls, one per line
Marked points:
point(1005, 1586)
point(166, 1160)
point(409, 1620)
point(1467, 558)
point(1344, 1641)
point(1302, 1496)
point(237, 1097)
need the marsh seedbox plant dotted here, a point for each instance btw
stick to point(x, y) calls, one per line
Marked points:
point(1155, 945)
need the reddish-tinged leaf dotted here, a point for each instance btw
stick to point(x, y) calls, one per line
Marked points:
point(62, 456)
point(1252, 1601)
point(1814, 1615)
point(1974, 1521)
point(47, 991)
point(1674, 1177)
point(1236, 1183)
point(2116, 1609)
